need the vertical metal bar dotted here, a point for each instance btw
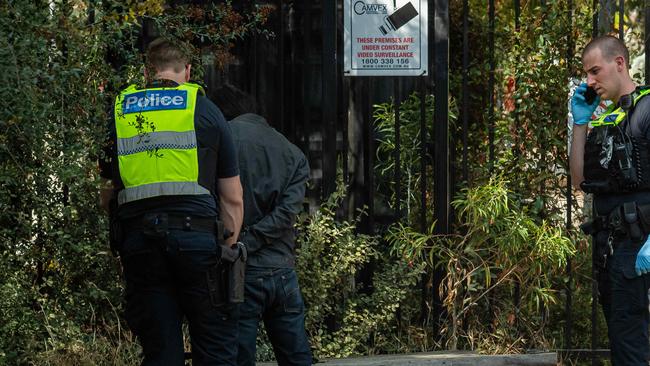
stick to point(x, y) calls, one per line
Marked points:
point(517, 6)
point(441, 114)
point(595, 19)
point(517, 284)
point(594, 309)
point(646, 41)
point(398, 148)
point(621, 21)
point(594, 273)
point(307, 76)
point(465, 106)
point(362, 104)
point(423, 191)
point(281, 26)
point(369, 155)
point(91, 13)
point(423, 154)
point(515, 112)
point(328, 80)
point(293, 75)
point(606, 14)
point(255, 65)
point(346, 85)
point(569, 200)
point(398, 162)
point(491, 86)
point(343, 93)
point(441, 134)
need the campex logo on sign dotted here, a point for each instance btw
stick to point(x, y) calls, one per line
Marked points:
point(362, 8)
point(153, 100)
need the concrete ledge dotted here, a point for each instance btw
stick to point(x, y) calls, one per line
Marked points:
point(443, 359)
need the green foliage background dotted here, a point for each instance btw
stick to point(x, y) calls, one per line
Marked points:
point(60, 290)
point(505, 263)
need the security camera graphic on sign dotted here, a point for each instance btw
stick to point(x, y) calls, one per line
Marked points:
point(400, 17)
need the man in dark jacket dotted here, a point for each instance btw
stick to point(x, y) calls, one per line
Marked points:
point(273, 173)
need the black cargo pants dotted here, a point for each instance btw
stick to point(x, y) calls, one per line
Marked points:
point(624, 297)
point(167, 280)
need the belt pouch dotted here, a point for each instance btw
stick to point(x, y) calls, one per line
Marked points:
point(601, 248)
point(632, 220)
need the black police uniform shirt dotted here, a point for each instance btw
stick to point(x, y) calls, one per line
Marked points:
point(214, 144)
point(639, 126)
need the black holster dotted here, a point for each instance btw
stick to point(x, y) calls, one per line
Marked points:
point(226, 280)
point(602, 248)
point(238, 276)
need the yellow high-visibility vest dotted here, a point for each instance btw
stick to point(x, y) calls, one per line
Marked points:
point(613, 115)
point(156, 142)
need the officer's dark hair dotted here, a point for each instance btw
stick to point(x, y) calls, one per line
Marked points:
point(610, 46)
point(233, 101)
point(164, 54)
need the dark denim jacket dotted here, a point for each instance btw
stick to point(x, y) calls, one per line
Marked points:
point(273, 174)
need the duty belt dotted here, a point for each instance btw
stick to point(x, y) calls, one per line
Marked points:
point(629, 219)
point(173, 222)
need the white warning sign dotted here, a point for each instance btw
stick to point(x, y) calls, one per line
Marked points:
point(385, 37)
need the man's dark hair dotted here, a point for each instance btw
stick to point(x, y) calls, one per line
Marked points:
point(164, 54)
point(233, 101)
point(610, 46)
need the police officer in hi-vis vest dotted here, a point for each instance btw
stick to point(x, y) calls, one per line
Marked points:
point(174, 174)
point(613, 163)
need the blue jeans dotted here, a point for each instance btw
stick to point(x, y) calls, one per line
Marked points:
point(273, 295)
point(624, 297)
point(166, 279)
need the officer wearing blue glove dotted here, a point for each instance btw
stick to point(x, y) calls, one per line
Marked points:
point(581, 109)
point(613, 163)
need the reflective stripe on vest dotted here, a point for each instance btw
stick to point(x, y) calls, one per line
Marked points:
point(156, 142)
point(613, 116)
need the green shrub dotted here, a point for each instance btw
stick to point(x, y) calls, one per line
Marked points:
point(499, 248)
point(343, 319)
point(60, 290)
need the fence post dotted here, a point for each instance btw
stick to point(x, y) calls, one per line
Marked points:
point(328, 80)
point(441, 132)
point(491, 17)
point(569, 201)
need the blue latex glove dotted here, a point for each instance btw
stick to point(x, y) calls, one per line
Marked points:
point(642, 264)
point(580, 110)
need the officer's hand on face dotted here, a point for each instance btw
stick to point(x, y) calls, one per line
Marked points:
point(642, 265)
point(580, 109)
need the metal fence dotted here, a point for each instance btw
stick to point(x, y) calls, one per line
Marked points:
point(298, 80)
